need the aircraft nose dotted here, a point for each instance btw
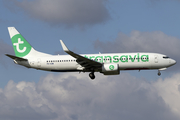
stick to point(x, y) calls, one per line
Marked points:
point(173, 62)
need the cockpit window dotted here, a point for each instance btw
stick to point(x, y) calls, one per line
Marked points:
point(165, 57)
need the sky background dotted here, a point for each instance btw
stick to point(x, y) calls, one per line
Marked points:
point(90, 26)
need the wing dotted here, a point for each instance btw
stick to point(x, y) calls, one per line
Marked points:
point(83, 61)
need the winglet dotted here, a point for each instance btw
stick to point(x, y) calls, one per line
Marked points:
point(64, 46)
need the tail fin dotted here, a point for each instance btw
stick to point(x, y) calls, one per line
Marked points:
point(21, 47)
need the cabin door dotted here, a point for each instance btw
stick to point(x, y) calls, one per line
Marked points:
point(156, 59)
point(38, 62)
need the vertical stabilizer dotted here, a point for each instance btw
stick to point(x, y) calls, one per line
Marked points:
point(21, 47)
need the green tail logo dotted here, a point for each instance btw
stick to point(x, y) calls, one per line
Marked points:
point(21, 46)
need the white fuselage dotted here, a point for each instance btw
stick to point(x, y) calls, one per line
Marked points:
point(108, 64)
point(125, 61)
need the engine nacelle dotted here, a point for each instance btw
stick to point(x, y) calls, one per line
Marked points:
point(110, 69)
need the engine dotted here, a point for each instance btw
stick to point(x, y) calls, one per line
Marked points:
point(110, 69)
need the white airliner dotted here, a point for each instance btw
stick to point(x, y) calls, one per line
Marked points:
point(108, 64)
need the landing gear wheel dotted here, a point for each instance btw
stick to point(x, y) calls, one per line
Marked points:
point(92, 76)
point(159, 73)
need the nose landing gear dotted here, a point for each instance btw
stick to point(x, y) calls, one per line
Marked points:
point(91, 75)
point(159, 73)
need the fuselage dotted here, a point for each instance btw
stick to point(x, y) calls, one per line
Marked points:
point(125, 61)
point(108, 64)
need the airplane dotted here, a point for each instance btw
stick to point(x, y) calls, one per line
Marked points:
point(107, 64)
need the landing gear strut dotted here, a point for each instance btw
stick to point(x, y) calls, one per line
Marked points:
point(91, 75)
point(159, 73)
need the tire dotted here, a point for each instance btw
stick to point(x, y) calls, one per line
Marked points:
point(92, 76)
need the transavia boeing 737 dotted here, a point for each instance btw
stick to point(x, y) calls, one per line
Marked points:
point(108, 64)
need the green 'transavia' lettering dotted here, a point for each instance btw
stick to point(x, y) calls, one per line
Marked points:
point(122, 58)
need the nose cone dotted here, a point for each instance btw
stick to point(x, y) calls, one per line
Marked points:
point(173, 62)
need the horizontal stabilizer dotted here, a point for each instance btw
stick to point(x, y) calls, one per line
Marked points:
point(16, 58)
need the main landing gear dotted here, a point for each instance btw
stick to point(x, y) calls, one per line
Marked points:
point(91, 75)
point(159, 73)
